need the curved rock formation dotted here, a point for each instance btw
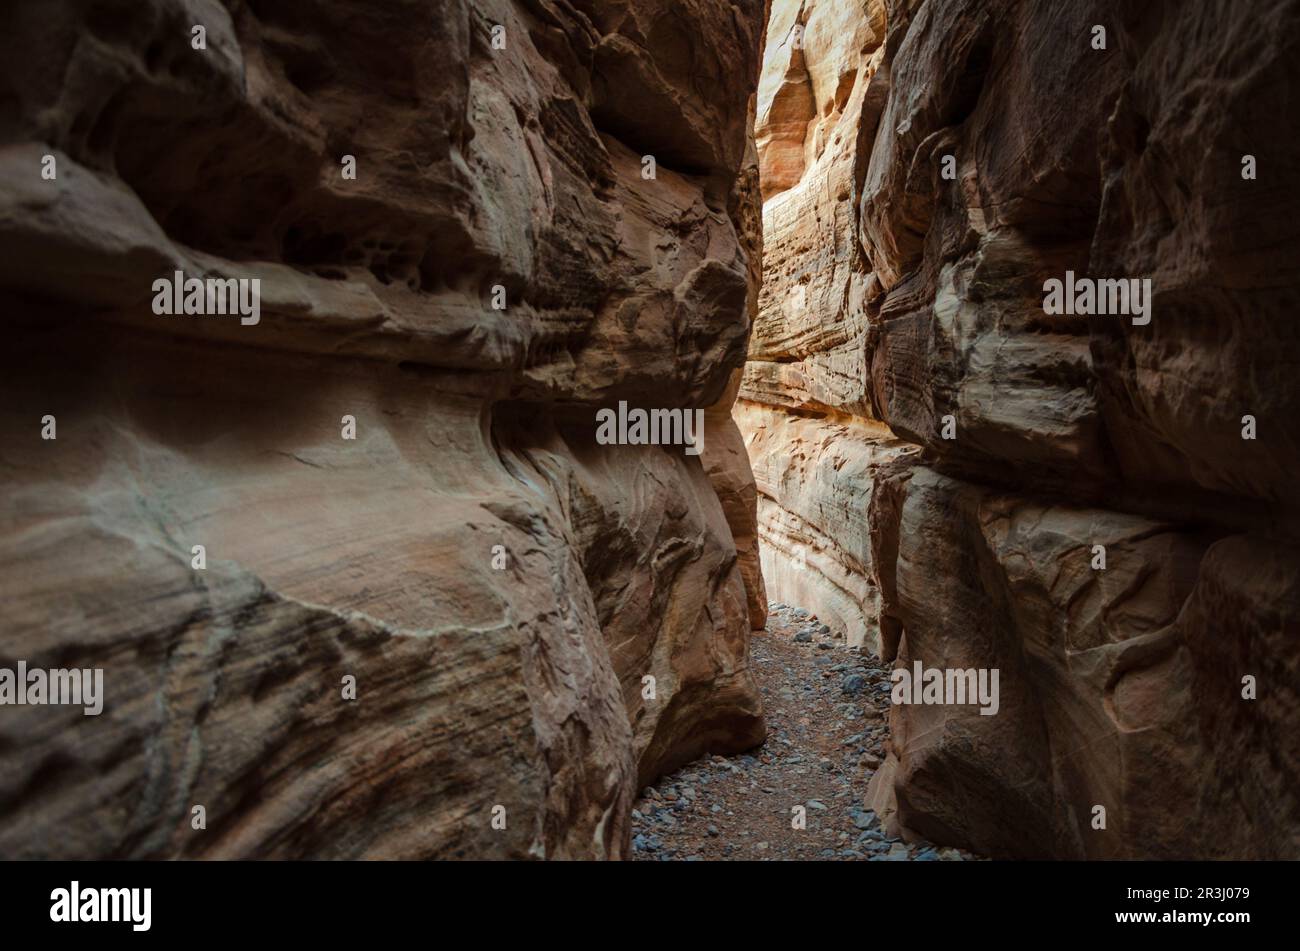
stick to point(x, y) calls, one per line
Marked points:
point(1096, 506)
point(553, 209)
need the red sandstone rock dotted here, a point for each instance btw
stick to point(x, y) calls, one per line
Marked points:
point(1120, 687)
point(478, 686)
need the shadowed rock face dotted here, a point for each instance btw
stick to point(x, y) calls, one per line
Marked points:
point(517, 681)
point(898, 299)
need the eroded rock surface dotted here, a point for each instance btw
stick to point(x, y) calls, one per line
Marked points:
point(903, 305)
point(499, 149)
point(808, 351)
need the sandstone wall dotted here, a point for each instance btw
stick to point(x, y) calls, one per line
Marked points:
point(498, 143)
point(899, 296)
point(815, 106)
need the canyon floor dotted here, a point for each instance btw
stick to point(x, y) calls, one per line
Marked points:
point(826, 705)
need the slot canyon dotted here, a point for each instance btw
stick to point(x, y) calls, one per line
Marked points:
point(365, 581)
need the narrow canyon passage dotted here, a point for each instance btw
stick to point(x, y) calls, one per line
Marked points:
point(800, 794)
point(541, 429)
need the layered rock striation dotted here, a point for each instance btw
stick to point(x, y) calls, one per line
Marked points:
point(1097, 506)
point(361, 579)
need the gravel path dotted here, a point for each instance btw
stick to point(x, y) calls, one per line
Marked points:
point(826, 707)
